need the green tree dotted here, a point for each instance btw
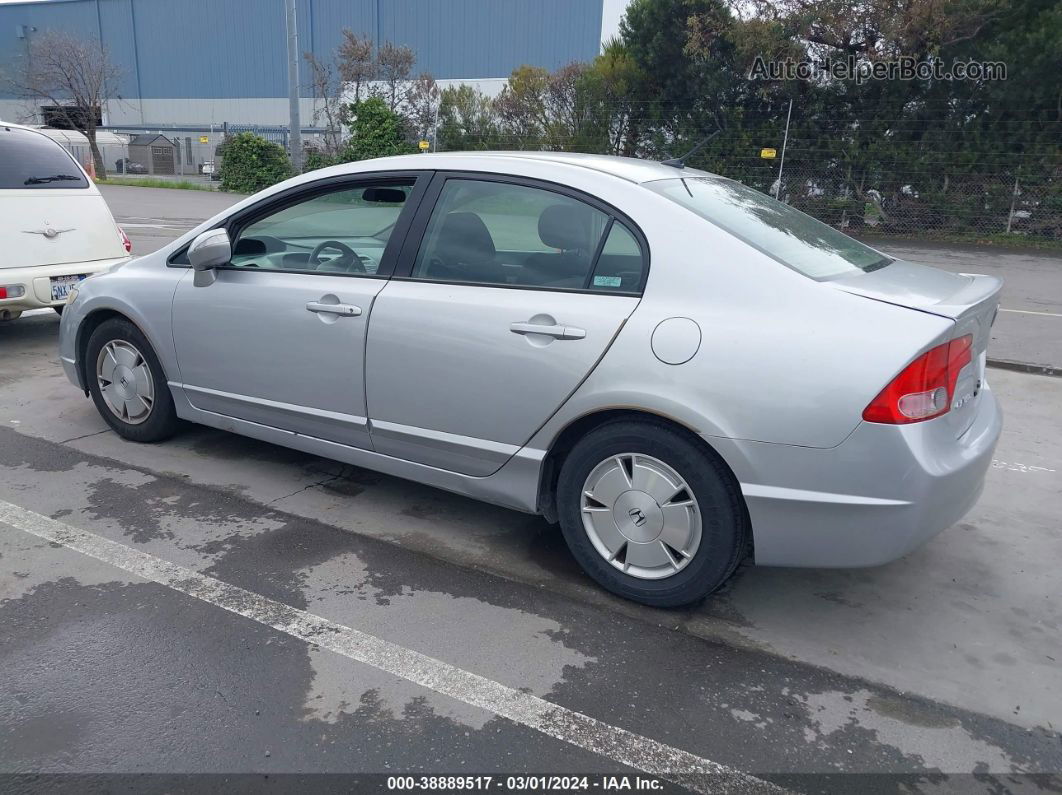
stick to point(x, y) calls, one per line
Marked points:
point(684, 53)
point(467, 120)
point(522, 108)
point(250, 163)
point(611, 86)
point(375, 131)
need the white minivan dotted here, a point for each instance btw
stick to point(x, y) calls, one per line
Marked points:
point(55, 226)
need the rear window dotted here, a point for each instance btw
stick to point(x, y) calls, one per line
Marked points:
point(793, 238)
point(29, 160)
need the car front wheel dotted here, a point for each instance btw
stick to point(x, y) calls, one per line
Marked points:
point(650, 514)
point(127, 383)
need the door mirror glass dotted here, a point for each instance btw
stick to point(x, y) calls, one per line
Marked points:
point(209, 250)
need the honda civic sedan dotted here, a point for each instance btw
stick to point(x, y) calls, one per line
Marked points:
point(681, 371)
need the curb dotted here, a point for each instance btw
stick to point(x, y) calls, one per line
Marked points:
point(1023, 367)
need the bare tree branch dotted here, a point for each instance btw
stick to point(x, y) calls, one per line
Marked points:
point(73, 75)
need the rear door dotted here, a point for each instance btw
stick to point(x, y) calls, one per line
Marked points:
point(279, 337)
point(500, 307)
point(50, 213)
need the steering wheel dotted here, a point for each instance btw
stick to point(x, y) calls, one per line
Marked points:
point(347, 261)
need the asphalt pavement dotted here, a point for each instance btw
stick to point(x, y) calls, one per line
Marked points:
point(156, 620)
point(1028, 329)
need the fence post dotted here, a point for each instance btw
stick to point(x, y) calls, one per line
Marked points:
point(1013, 199)
point(435, 126)
point(781, 163)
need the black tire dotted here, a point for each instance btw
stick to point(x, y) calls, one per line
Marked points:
point(724, 522)
point(59, 309)
point(162, 421)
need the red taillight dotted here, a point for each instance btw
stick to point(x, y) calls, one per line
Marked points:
point(126, 242)
point(925, 387)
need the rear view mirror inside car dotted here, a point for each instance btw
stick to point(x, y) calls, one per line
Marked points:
point(384, 195)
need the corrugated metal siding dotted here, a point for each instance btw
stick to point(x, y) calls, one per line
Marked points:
point(236, 48)
point(116, 21)
point(490, 38)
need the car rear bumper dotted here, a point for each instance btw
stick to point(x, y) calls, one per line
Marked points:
point(35, 282)
point(882, 492)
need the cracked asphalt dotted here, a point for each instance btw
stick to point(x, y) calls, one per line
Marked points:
point(938, 673)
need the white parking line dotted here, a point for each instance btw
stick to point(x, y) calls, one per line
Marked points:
point(1016, 467)
point(575, 728)
point(1030, 312)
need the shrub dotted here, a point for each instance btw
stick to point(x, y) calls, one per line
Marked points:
point(375, 131)
point(250, 163)
point(316, 160)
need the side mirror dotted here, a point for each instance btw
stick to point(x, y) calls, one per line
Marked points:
point(210, 249)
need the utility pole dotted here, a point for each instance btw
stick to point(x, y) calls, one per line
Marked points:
point(294, 125)
point(435, 126)
point(781, 163)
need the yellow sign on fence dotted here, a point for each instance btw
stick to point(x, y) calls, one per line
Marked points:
point(203, 139)
point(424, 146)
point(768, 154)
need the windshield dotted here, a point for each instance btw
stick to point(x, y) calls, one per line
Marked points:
point(31, 160)
point(778, 230)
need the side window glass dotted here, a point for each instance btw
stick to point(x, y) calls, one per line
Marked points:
point(497, 233)
point(345, 231)
point(620, 266)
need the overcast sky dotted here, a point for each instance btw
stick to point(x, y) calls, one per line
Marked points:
point(612, 11)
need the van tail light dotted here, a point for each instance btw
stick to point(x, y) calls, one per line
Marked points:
point(925, 387)
point(126, 242)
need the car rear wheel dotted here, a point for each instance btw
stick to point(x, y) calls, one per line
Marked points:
point(127, 383)
point(651, 515)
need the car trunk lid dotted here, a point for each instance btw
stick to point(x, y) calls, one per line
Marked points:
point(970, 300)
point(53, 227)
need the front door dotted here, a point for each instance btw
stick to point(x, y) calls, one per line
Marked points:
point(279, 337)
point(514, 294)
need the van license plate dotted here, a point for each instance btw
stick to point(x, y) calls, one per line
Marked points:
point(61, 285)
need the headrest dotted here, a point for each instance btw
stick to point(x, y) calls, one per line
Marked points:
point(465, 238)
point(565, 226)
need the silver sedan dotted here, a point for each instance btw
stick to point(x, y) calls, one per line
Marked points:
point(681, 371)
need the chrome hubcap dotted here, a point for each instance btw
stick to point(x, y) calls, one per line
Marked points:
point(641, 516)
point(125, 381)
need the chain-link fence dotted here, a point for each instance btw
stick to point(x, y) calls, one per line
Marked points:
point(949, 199)
point(113, 148)
point(922, 204)
point(936, 173)
point(188, 153)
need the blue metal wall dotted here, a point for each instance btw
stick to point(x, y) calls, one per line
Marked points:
point(236, 48)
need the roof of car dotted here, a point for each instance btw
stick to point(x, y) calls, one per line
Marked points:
point(628, 168)
point(17, 126)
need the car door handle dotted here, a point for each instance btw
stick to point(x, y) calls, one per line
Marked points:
point(557, 332)
point(345, 310)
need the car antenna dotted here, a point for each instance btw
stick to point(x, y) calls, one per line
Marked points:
point(680, 162)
